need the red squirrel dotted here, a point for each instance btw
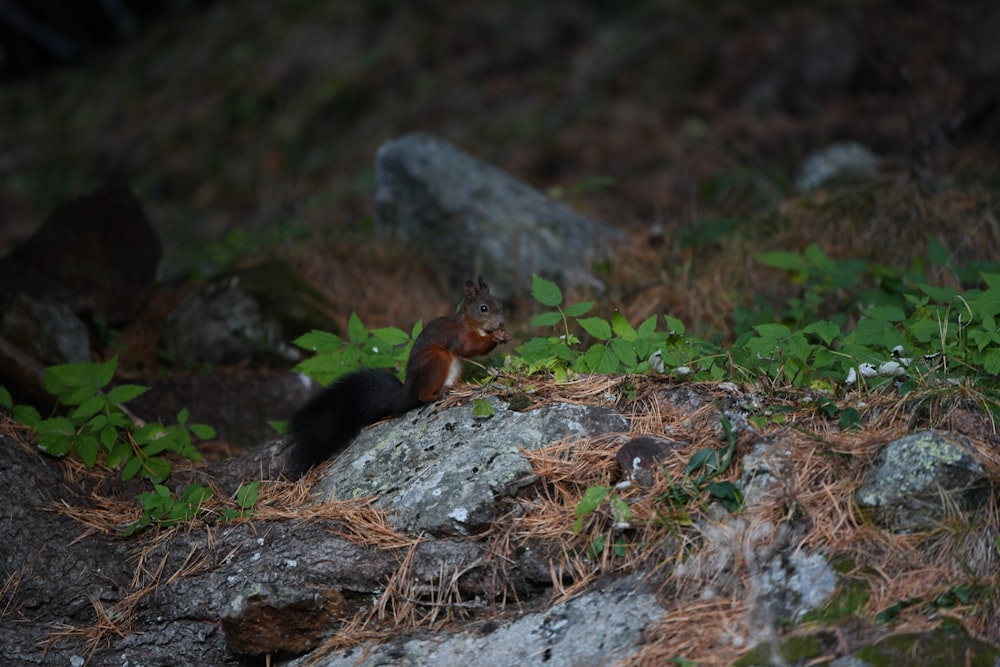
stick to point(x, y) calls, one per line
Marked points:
point(327, 424)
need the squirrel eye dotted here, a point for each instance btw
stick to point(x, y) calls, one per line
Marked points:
point(484, 308)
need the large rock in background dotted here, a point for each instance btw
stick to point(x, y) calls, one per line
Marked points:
point(471, 218)
point(97, 255)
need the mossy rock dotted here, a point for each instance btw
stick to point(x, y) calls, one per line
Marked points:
point(940, 647)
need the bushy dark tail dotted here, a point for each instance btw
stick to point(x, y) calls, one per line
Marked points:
point(327, 424)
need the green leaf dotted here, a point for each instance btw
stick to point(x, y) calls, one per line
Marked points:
point(124, 393)
point(877, 333)
point(196, 494)
point(109, 436)
point(320, 342)
point(579, 309)
point(183, 416)
point(202, 431)
point(546, 319)
point(886, 313)
point(591, 500)
point(727, 493)
point(991, 361)
point(130, 468)
point(157, 446)
point(156, 469)
point(937, 252)
point(939, 294)
point(700, 459)
point(648, 327)
point(482, 408)
point(620, 509)
point(626, 354)
point(674, 325)
point(992, 280)
point(88, 408)
point(596, 327)
point(76, 396)
point(622, 328)
point(924, 331)
point(118, 454)
point(87, 447)
point(772, 330)
point(5, 400)
point(247, 495)
point(545, 291)
point(106, 372)
point(599, 359)
point(356, 331)
point(987, 303)
point(827, 331)
point(597, 546)
point(849, 419)
point(392, 336)
point(788, 261)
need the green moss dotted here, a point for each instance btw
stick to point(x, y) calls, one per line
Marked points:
point(794, 650)
point(938, 648)
point(849, 598)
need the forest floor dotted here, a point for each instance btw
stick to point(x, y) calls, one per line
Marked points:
point(248, 131)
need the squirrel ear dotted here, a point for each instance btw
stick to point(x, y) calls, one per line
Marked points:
point(471, 291)
point(482, 285)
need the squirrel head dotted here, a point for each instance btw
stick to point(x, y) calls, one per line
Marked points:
point(482, 307)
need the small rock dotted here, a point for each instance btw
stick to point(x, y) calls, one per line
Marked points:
point(796, 583)
point(764, 468)
point(472, 218)
point(917, 480)
point(844, 160)
point(640, 458)
point(49, 333)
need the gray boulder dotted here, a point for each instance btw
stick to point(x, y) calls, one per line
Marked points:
point(599, 627)
point(248, 313)
point(471, 218)
point(439, 471)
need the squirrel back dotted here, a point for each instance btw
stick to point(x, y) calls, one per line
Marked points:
point(328, 423)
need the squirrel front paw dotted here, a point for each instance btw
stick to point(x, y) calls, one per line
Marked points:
point(501, 336)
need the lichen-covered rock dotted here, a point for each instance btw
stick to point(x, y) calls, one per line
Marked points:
point(944, 646)
point(917, 480)
point(796, 583)
point(439, 471)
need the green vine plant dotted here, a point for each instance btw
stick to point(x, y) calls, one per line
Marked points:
point(96, 427)
point(618, 347)
point(333, 356)
point(904, 334)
